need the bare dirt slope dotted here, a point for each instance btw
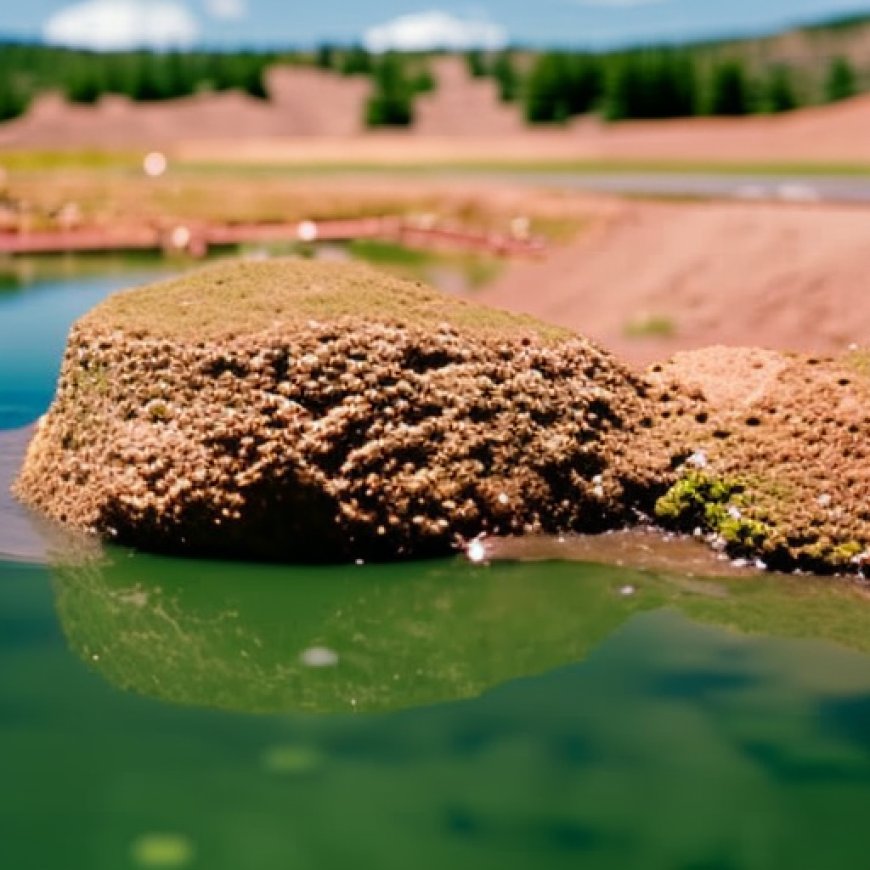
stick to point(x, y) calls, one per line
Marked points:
point(837, 133)
point(462, 106)
point(318, 116)
point(786, 277)
point(305, 102)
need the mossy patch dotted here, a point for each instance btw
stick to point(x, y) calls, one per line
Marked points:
point(718, 505)
point(859, 361)
point(238, 298)
point(786, 446)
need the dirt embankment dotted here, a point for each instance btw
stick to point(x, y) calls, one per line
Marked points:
point(317, 116)
point(649, 279)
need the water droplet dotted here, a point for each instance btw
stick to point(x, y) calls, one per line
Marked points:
point(320, 657)
point(476, 551)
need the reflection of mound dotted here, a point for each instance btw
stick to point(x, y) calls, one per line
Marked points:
point(201, 634)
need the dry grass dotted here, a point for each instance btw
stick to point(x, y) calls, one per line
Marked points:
point(242, 298)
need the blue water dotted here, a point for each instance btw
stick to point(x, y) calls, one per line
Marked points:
point(37, 308)
point(165, 713)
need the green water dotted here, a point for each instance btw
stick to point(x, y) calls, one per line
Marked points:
point(163, 713)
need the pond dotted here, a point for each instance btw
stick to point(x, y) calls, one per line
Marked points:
point(523, 714)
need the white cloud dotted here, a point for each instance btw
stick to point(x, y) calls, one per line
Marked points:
point(112, 25)
point(424, 31)
point(227, 10)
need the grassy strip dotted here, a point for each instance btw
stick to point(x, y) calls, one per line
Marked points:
point(538, 165)
point(44, 160)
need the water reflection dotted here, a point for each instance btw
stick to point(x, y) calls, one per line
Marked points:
point(261, 638)
point(265, 638)
point(672, 744)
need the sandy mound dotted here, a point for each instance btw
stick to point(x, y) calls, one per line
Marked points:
point(777, 456)
point(294, 410)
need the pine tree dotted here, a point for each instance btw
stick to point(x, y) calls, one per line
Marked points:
point(476, 63)
point(356, 61)
point(12, 101)
point(547, 90)
point(779, 92)
point(730, 90)
point(840, 83)
point(325, 57)
point(83, 80)
point(584, 83)
point(391, 103)
point(505, 73)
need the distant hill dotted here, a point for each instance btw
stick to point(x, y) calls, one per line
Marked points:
point(813, 64)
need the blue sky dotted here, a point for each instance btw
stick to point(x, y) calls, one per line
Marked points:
point(593, 23)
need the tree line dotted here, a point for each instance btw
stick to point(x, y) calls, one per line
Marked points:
point(397, 79)
point(655, 83)
point(84, 77)
point(551, 87)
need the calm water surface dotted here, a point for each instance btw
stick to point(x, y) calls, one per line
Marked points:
point(166, 713)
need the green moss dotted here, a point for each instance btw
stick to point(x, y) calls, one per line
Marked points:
point(848, 551)
point(835, 554)
point(651, 326)
point(243, 298)
point(692, 495)
point(859, 361)
point(91, 380)
point(699, 499)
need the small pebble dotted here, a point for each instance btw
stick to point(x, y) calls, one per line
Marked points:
point(698, 459)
